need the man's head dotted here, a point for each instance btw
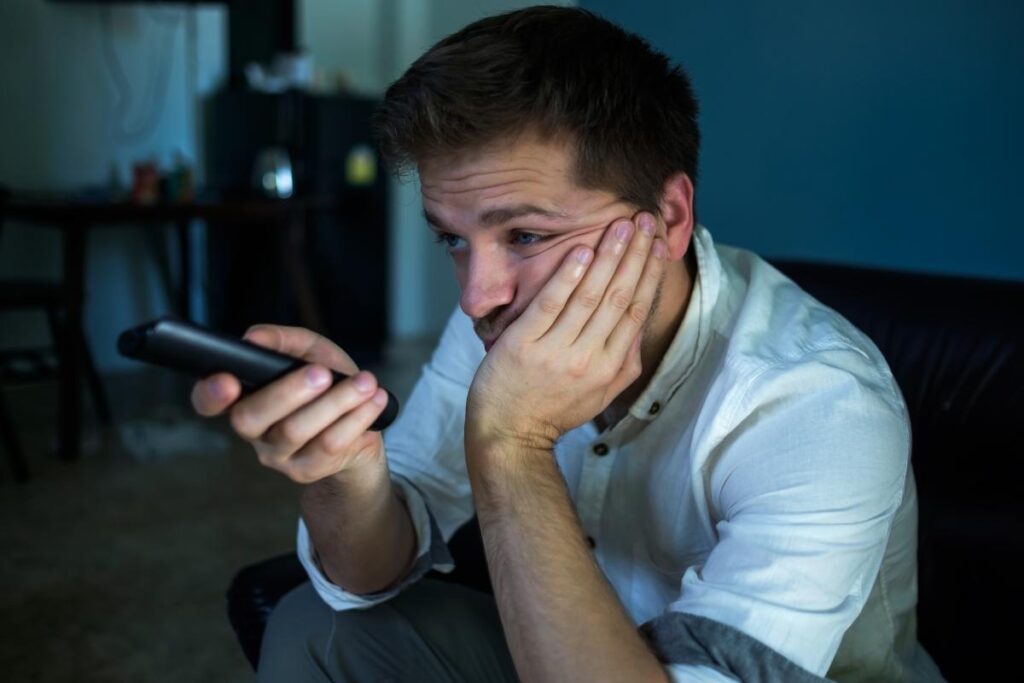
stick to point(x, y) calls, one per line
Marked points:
point(532, 132)
point(629, 116)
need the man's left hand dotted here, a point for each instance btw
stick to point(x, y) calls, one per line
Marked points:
point(575, 347)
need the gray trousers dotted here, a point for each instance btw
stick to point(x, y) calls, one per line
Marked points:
point(432, 631)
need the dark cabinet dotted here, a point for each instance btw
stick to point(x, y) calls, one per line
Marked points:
point(325, 265)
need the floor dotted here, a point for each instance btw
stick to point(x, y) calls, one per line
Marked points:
point(114, 567)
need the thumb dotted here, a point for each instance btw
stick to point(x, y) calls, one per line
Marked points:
point(302, 343)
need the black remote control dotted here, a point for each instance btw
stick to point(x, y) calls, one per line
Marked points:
point(185, 346)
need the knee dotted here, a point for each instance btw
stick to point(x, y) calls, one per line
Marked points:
point(296, 634)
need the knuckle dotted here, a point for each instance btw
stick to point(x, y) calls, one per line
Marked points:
point(606, 372)
point(297, 474)
point(589, 299)
point(289, 432)
point(303, 475)
point(265, 459)
point(242, 422)
point(334, 443)
point(620, 299)
point(639, 256)
point(257, 330)
point(579, 365)
point(638, 312)
point(549, 306)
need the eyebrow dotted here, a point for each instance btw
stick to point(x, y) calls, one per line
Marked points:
point(503, 214)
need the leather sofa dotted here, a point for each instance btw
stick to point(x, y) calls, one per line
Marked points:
point(956, 347)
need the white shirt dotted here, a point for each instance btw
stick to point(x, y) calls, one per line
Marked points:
point(761, 480)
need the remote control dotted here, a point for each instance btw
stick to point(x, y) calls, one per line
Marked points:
point(187, 347)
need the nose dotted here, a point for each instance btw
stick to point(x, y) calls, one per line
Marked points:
point(487, 282)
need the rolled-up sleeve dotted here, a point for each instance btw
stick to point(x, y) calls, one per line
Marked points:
point(426, 458)
point(431, 553)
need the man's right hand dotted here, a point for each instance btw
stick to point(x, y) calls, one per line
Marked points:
point(300, 425)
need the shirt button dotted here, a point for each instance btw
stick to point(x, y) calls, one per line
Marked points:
point(591, 542)
point(655, 407)
point(600, 449)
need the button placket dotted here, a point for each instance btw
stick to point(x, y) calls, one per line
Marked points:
point(594, 480)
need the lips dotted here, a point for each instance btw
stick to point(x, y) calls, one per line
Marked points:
point(490, 329)
point(489, 340)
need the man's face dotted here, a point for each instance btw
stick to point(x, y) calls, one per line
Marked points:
point(508, 215)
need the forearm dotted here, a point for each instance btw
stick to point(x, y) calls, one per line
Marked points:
point(562, 619)
point(361, 529)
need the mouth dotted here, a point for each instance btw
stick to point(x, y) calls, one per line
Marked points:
point(490, 329)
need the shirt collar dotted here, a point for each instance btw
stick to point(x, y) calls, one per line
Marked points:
point(690, 339)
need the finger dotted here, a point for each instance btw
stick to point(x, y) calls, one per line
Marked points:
point(550, 301)
point(300, 427)
point(215, 394)
point(631, 369)
point(639, 310)
point(255, 414)
point(339, 439)
point(589, 293)
point(302, 343)
point(619, 296)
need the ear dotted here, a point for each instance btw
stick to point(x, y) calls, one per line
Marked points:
point(676, 207)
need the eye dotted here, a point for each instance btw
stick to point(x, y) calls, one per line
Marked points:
point(525, 239)
point(450, 241)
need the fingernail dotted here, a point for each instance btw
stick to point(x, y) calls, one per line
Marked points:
point(317, 377)
point(216, 390)
point(381, 397)
point(583, 255)
point(363, 382)
point(646, 223)
point(623, 230)
point(660, 250)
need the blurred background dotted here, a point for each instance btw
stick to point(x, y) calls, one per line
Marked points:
point(213, 160)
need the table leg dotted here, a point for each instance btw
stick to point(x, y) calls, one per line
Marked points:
point(71, 350)
point(185, 274)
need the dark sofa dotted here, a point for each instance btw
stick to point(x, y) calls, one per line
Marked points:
point(955, 347)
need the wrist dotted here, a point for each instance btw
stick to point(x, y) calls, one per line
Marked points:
point(501, 469)
point(368, 480)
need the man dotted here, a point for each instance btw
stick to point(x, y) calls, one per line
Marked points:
point(683, 467)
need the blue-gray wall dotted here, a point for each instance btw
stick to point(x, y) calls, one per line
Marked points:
point(870, 132)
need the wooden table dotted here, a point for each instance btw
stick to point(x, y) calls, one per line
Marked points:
point(75, 218)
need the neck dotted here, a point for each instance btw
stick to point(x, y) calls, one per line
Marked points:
point(677, 287)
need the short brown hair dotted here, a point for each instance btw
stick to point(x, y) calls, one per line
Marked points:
point(557, 71)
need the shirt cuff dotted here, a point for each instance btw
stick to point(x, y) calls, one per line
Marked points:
point(431, 553)
point(692, 643)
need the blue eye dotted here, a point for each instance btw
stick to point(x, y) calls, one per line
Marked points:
point(450, 241)
point(525, 239)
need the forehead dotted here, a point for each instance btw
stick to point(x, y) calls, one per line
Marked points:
point(509, 170)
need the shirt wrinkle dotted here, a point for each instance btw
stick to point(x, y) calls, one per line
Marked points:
point(816, 482)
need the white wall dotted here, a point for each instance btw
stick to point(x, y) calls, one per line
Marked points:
point(59, 130)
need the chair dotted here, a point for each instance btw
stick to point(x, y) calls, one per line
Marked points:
point(956, 348)
point(32, 364)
